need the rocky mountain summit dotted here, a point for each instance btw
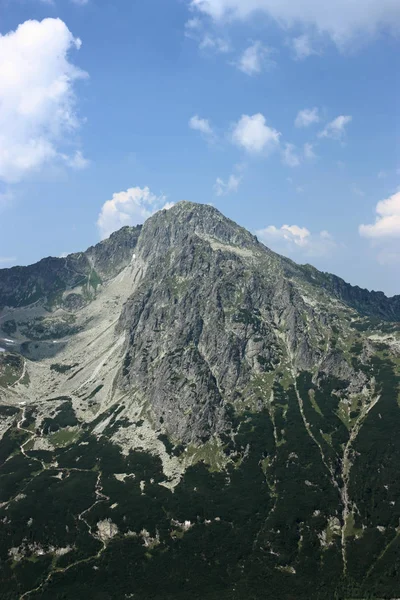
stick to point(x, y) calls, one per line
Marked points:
point(196, 416)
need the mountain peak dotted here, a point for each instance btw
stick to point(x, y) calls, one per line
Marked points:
point(210, 401)
point(168, 228)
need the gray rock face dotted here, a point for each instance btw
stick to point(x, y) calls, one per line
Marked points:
point(212, 319)
point(214, 311)
point(110, 256)
point(49, 280)
point(372, 304)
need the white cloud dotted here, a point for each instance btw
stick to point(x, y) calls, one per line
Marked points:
point(302, 48)
point(77, 161)
point(308, 150)
point(131, 207)
point(254, 135)
point(223, 188)
point(194, 30)
point(202, 125)
point(37, 99)
point(387, 224)
point(342, 20)
point(307, 117)
point(211, 42)
point(255, 58)
point(193, 25)
point(336, 129)
point(297, 242)
point(290, 156)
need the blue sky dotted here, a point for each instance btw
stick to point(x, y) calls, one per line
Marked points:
point(285, 116)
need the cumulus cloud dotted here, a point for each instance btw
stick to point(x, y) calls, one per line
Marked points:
point(193, 25)
point(223, 188)
point(308, 150)
point(254, 135)
point(215, 43)
point(290, 156)
point(293, 158)
point(255, 58)
point(77, 161)
point(131, 207)
point(302, 47)
point(307, 117)
point(202, 125)
point(341, 20)
point(387, 223)
point(297, 242)
point(336, 129)
point(37, 98)
point(194, 29)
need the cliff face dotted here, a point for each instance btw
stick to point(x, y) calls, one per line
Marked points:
point(214, 310)
point(184, 401)
point(68, 282)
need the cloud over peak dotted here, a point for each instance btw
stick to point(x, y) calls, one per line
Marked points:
point(297, 242)
point(130, 207)
point(387, 224)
